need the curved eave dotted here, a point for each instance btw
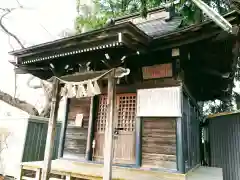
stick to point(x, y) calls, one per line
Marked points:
point(125, 34)
point(193, 33)
point(75, 50)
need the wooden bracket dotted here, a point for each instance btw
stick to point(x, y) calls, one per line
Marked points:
point(235, 30)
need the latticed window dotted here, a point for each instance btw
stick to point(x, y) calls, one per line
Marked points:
point(102, 113)
point(126, 112)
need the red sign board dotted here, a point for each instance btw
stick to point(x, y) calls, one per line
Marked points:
point(157, 71)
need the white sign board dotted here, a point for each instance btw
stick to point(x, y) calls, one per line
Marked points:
point(159, 102)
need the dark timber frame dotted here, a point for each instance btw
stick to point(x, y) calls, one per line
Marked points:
point(63, 129)
point(92, 117)
point(139, 127)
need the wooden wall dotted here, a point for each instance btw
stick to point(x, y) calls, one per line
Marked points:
point(76, 136)
point(159, 143)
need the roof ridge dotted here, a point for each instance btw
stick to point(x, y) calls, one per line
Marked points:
point(138, 14)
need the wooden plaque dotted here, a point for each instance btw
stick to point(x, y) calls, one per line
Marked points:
point(157, 71)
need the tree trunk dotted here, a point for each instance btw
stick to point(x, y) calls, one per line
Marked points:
point(48, 90)
point(46, 110)
point(15, 102)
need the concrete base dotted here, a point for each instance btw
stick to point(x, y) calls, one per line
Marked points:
point(205, 173)
point(95, 171)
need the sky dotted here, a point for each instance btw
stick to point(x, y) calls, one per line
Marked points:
point(37, 22)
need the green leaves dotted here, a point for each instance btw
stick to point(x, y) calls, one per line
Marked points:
point(111, 9)
point(143, 8)
point(116, 8)
point(187, 10)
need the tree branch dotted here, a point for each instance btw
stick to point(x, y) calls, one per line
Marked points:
point(15, 102)
point(6, 30)
point(19, 3)
point(47, 87)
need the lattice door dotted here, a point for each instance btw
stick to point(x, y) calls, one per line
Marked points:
point(100, 128)
point(124, 138)
point(126, 112)
point(102, 114)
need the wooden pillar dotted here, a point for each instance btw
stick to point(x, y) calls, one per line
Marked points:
point(51, 130)
point(179, 134)
point(108, 143)
point(63, 129)
point(139, 142)
point(90, 136)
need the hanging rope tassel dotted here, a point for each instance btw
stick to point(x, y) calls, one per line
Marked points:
point(90, 89)
point(81, 92)
point(96, 88)
point(64, 91)
point(87, 88)
point(70, 91)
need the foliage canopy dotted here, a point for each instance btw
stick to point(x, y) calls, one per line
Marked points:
point(103, 10)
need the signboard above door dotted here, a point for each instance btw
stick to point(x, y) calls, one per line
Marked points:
point(157, 71)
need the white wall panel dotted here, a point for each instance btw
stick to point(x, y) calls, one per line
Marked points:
point(159, 102)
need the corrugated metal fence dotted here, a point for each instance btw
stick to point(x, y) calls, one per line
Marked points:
point(224, 139)
point(22, 140)
point(36, 140)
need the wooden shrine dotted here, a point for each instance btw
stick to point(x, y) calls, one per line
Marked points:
point(147, 117)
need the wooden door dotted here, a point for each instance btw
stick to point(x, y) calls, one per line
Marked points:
point(124, 136)
point(124, 131)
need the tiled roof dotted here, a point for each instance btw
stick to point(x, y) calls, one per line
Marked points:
point(159, 26)
point(155, 24)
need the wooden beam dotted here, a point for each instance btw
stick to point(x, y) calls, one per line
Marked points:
point(20, 71)
point(63, 129)
point(183, 41)
point(51, 130)
point(189, 136)
point(179, 140)
point(213, 15)
point(38, 175)
point(108, 145)
point(179, 136)
point(77, 77)
point(139, 123)
point(186, 91)
point(132, 44)
point(91, 128)
point(137, 35)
